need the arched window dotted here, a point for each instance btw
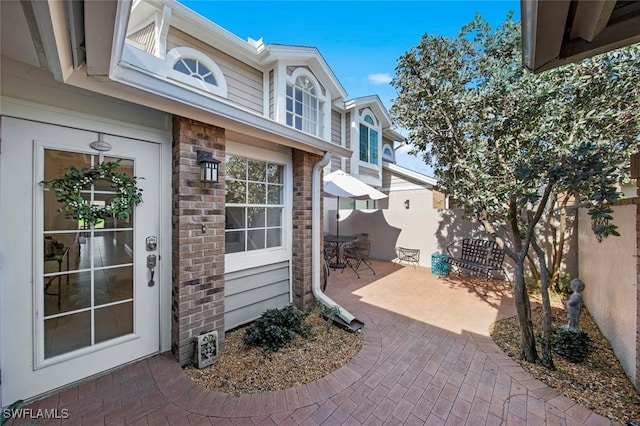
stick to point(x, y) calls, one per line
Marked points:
point(194, 68)
point(305, 106)
point(369, 139)
point(387, 153)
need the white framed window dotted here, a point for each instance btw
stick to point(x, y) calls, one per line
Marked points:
point(387, 153)
point(369, 139)
point(254, 204)
point(194, 68)
point(305, 104)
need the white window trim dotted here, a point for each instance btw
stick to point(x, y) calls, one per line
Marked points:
point(324, 99)
point(187, 52)
point(254, 258)
point(385, 156)
point(375, 127)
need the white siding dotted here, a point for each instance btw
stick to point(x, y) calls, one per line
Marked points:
point(336, 127)
point(248, 293)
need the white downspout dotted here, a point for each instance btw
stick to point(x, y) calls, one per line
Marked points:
point(316, 228)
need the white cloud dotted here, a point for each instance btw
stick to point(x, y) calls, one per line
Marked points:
point(380, 78)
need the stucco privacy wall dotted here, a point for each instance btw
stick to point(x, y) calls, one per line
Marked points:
point(430, 230)
point(198, 238)
point(609, 271)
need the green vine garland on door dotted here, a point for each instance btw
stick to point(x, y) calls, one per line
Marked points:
point(68, 190)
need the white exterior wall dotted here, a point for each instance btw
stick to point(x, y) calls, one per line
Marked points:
point(608, 270)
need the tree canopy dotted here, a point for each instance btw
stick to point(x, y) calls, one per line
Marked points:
point(502, 140)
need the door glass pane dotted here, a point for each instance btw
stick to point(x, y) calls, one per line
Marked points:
point(66, 293)
point(113, 285)
point(125, 167)
point(56, 163)
point(81, 272)
point(67, 333)
point(112, 248)
point(114, 321)
point(110, 222)
point(62, 252)
point(55, 220)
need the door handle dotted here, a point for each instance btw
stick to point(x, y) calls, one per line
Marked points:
point(151, 265)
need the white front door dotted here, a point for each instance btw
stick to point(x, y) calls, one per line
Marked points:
point(76, 300)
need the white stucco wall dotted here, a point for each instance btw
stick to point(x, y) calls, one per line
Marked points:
point(608, 270)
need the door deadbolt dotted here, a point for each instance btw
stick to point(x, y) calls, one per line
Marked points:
point(152, 243)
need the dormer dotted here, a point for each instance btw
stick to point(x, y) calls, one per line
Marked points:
point(368, 122)
point(302, 89)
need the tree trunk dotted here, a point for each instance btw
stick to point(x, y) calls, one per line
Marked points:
point(559, 249)
point(533, 268)
point(527, 338)
point(547, 358)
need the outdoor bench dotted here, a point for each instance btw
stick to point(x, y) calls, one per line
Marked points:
point(478, 256)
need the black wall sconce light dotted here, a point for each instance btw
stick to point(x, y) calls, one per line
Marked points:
point(209, 167)
point(406, 204)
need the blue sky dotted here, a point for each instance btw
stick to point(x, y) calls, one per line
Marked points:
point(360, 40)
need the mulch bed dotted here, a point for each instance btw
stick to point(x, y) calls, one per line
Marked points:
point(248, 369)
point(598, 383)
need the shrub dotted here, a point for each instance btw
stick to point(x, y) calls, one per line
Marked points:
point(571, 345)
point(276, 328)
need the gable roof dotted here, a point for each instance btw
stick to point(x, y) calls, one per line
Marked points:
point(410, 174)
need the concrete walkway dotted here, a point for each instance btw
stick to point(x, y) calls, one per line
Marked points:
point(427, 358)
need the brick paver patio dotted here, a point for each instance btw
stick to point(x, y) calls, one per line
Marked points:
point(427, 358)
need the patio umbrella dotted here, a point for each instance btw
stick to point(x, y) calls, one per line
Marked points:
point(341, 184)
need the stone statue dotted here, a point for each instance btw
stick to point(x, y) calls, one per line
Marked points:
point(574, 304)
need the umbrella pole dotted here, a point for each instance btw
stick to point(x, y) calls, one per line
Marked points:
point(338, 217)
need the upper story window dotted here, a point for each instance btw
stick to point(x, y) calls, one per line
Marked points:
point(387, 153)
point(194, 68)
point(305, 106)
point(368, 140)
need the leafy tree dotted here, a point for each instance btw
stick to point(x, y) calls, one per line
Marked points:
point(504, 142)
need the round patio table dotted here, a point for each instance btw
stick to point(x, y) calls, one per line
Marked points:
point(338, 241)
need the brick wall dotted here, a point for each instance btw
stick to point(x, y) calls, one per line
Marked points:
point(303, 163)
point(438, 199)
point(198, 238)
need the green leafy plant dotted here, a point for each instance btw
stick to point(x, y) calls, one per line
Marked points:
point(276, 328)
point(328, 313)
point(571, 345)
point(69, 191)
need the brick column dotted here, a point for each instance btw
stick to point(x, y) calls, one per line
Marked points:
point(303, 163)
point(198, 238)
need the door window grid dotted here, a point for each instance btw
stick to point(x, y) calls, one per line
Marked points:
point(70, 285)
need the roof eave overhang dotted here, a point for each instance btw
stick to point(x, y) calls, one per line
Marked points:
point(559, 32)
